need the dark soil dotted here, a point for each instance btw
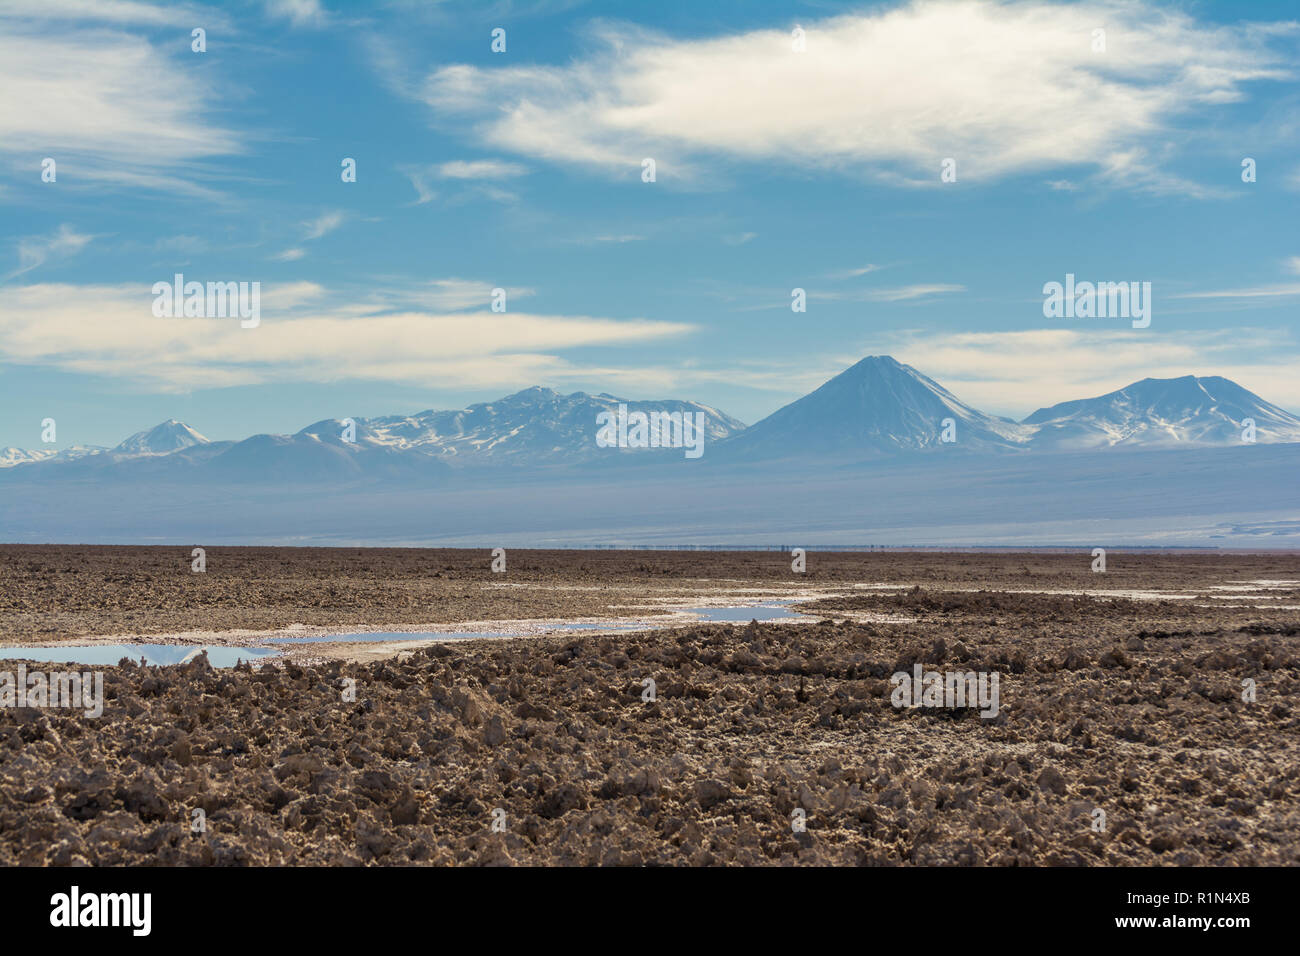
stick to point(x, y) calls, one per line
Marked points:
point(1131, 707)
point(60, 591)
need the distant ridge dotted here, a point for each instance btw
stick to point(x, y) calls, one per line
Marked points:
point(1164, 411)
point(534, 425)
point(877, 408)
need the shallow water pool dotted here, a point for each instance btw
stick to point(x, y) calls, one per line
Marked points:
point(107, 655)
point(364, 636)
point(775, 611)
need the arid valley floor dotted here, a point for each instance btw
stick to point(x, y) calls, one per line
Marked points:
point(1120, 692)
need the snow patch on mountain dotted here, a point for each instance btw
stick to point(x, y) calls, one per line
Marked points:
point(1157, 412)
point(533, 425)
point(163, 439)
point(878, 406)
point(17, 456)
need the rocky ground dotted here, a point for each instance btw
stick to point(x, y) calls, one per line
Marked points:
point(60, 591)
point(1132, 707)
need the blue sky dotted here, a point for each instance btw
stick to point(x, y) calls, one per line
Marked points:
point(776, 168)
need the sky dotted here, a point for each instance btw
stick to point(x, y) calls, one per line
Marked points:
point(795, 146)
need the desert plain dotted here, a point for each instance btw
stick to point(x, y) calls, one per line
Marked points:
point(1147, 713)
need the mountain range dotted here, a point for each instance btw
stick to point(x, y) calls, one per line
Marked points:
point(879, 407)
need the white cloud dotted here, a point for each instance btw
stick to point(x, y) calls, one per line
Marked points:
point(1253, 292)
point(107, 11)
point(1276, 290)
point(306, 335)
point(480, 169)
point(1002, 87)
point(1135, 168)
point(439, 295)
point(322, 225)
point(869, 268)
point(760, 299)
point(35, 251)
point(419, 177)
point(103, 101)
point(1015, 373)
point(289, 255)
point(477, 175)
point(904, 293)
point(923, 290)
point(300, 13)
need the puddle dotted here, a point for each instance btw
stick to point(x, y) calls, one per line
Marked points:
point(385, 636)
point(107, 655)
point(1246, 587)
point(777, 611)
point(362, 637)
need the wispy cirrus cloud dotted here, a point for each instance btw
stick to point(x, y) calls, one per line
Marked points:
point(750, 298)
point(421, 178)
point(1269, 291)
point(35, 251)
point(920, 290)
point(1249, 292)
point(475, 177)
point(85, 85)
point(307, 334)
point(312, 230)
point(479, 169)
point(299, 13)
point(440, 295)
point(323, 225)
point(1002, 87)
point(109, 11)
point(869, 268)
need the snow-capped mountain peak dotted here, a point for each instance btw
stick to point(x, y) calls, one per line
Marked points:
point(1187, 410)
point(878, 406)
point(163, 439)
point(17, 456)
point(534, 425)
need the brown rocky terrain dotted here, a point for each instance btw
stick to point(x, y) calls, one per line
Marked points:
point(61, 591)
point(1134, 707)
